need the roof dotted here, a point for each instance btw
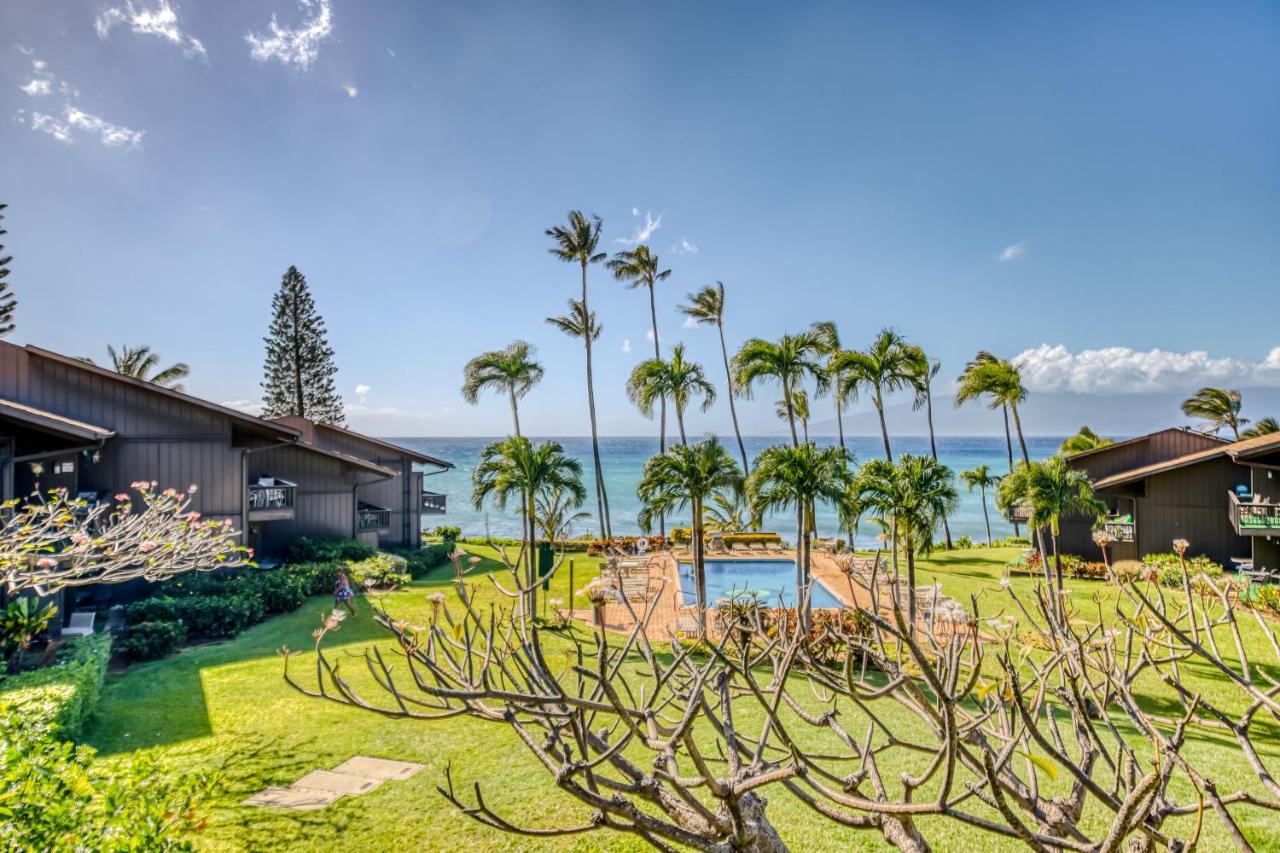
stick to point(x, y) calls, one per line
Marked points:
point(50, 422)
point(282, 430)
point(305, 425)
point(346, 458)
point(1138, 439)
point(1234, 450)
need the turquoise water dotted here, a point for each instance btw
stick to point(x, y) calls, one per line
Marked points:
point(623, 460)
point(772, 581)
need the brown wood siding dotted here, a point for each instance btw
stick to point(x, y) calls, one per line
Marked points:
point(325, 503)
point(1157, 447)
point(1191, 503)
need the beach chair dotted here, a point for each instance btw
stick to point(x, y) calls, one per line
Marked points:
point(773, 547)
point(757, 547)
point(81, 624)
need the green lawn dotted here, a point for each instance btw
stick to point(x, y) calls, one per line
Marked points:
point(228, 706)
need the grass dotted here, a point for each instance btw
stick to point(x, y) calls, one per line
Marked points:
point(227, 706)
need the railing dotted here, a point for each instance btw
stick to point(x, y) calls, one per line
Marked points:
point(1252, 517)
point(433, 503)
point(373, 518)
point(1019, 513)
point(1120, 531)
point(271, 494)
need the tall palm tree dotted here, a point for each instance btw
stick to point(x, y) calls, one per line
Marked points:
point(557, 511)
point(923, 373)
point(686, 476)
point(884, 367)
point(788, 363)
point(515, 468)
point(580, 323)
point(982, 479)
point(912, 495)
point(576, 243)
point(972, 387)
point(1264, 426)
point(800, 403)
point(730, 513)
point(830, 347)
point(1000, 382)
point(706, 307)
point(1085, 439)
point(141, 362)
point(1049, 490)
point(1219, 407)
point(512, 370)
point(656, 379)
point(799, 477)
point(639, 267)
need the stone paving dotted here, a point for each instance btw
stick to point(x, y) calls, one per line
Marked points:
point(353, 777)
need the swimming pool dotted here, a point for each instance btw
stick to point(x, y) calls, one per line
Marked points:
point(772, 580)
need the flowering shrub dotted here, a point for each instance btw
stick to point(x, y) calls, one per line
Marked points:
point(381, 571)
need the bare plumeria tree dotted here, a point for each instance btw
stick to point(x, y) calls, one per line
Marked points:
point(1022, 717)
point(50, 541)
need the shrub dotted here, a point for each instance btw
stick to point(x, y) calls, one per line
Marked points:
point(307, 550)
point(59, 698)
point(154, 640)
point(218, 616)
point(380, 570)
point(20, 622)
point(1266, 599)
point(157, 608)
point(420, 561)
point(280, 590)
point(448, 534)
point(964, 543)
point(1167, 571)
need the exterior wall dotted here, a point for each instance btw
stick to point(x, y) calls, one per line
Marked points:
point(1157, 447)
point(325, 505)
point(1191, 503)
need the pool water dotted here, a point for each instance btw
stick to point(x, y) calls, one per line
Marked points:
point(772, 581)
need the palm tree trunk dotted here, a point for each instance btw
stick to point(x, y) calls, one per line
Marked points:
point(602, 499)
point(985, 518)
point(933, 448)
point(911, 584)
point(838, 392)
point(884, 427)
point(791, 413)
point(1022, 442)
point(515, 412)
point(802, 568)
point(733, 410)
point(1008, 443)
point(657, 353)
point(804, 422)
point(699, 568)
point(684, 442)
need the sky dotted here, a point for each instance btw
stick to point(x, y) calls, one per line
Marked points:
point(1091, 187)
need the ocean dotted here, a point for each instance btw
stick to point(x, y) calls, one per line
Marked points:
point(623, 460)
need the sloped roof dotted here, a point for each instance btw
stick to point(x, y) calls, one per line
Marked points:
point(1234, 450)
point(306, 426)
point(347, 459)
point(50, 422)
point(1139, 439)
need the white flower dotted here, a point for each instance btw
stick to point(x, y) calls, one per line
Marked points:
point(338, 615)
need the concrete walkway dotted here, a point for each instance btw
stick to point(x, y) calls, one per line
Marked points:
point(353, 777)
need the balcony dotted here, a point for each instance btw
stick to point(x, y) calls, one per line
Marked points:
point(433, 503)
point(1019, 513)
point(1253, 517)
point(370, 518)
point(1121, 528)
point(272, 499)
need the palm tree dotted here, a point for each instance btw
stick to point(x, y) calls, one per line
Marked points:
point(830, 347)
point(1048, 490)
point(557, 511)
point(982, 479)
point(799, 477)
point(788, 363)
point(512, 370)
point(912, 496)
point(707, 307)
point(923, 373)
point(579, 323)
point(1085, 439)
point(1264, 426)
point(577, 244)
point(884, 367)
point(141, 362)
point(800, 402)
point(515, 468)
point(730, 513)
point(999, 381)
point(1219, 407)
point(639, 267)
point(681, 380)
point(685, 476)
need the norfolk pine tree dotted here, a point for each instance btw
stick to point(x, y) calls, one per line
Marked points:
point(299, 367)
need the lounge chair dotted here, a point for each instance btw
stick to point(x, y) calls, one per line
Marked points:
point(756, 546)
point(81, 624)
point(773, 547)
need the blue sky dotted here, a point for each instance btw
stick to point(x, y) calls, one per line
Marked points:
point(1051, 181)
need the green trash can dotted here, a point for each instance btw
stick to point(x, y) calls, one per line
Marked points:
point(546, 558)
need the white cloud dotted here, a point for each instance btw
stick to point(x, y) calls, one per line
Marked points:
point(72, 120)
point(1121, 370)
point(643, 231)
point(1013, 251)
point(252, 407)
point(391, 53)
point(299, 46)
point(51, 125)
point(161, 21)
point(38, 87)
point(690, 323)
point(351, 90)
point(24, 50)
point(649, 335)
point(109, 134)
point(626, 344)
point(362, 390)
point(684, 247)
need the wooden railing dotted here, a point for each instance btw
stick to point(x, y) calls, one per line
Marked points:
point(1120, 531)
point(433, 503)
point(373, 518)
point(1019, 513)
point(1252, 518)
point(276, 496)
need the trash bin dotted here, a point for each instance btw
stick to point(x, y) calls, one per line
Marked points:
point(545, 560)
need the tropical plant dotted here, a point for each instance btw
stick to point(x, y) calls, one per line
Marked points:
point(923, 373)
point(788, 363)
point(1048, 490)
point(981, 478)
point(679, 379)
point(1263, 426)
point(911, 496)
point(800, 407)
point(972, 387)
point(299, 367)
point(515, 468)
point(730, 513)
point(1218, 407)
point(799, 477)
point(1085, 439)
point(829, 337)
point(141, 362)
point(581, 323)
point(1000, 382)
point(706, 307)
point(557, 512)
point(640, 267)
point(685, 477)
point(576, 243)
point(886, 366)
point(512, 370)
point(7, 302)
point(20, 621)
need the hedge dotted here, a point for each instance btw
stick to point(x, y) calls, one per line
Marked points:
point(682, 535)
point(60, 697)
